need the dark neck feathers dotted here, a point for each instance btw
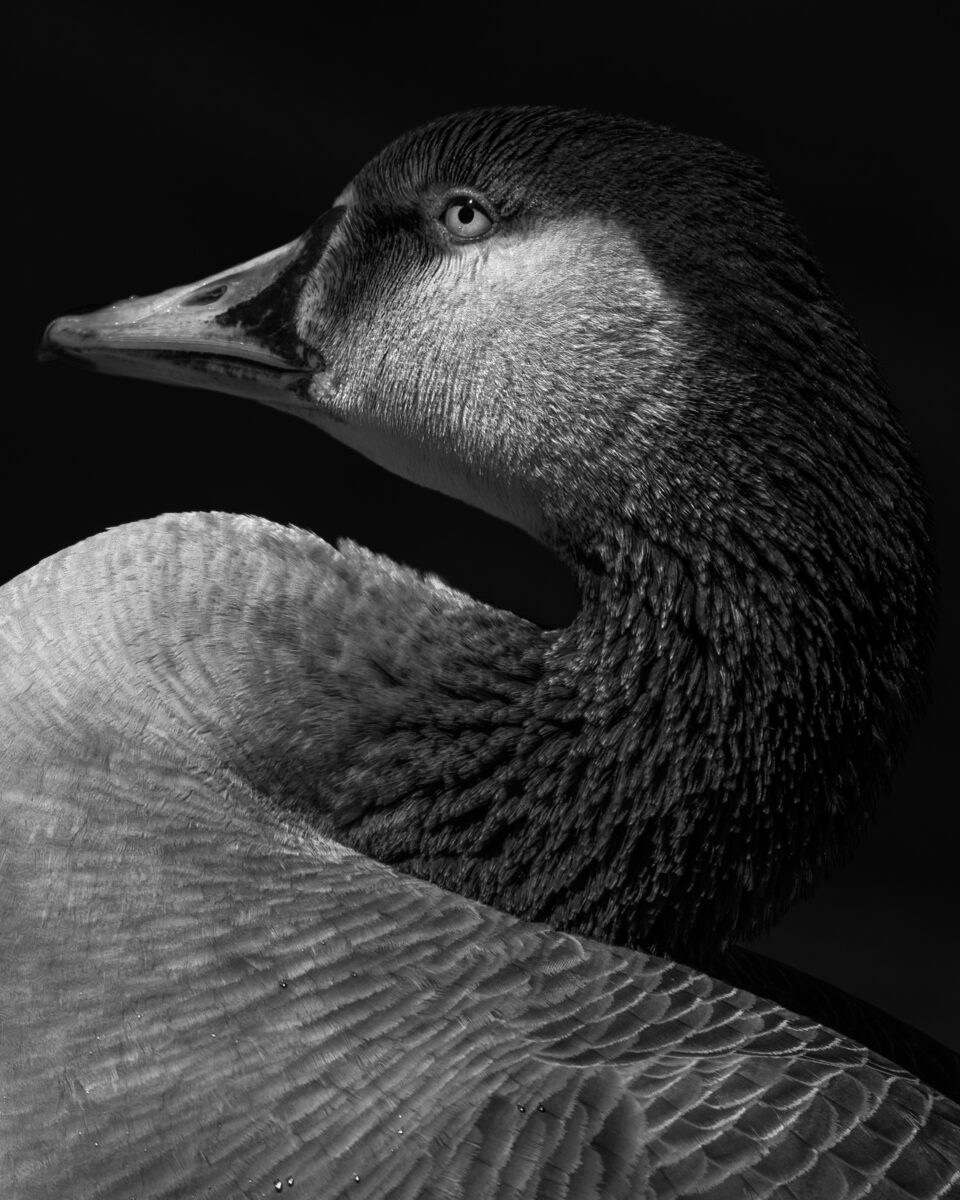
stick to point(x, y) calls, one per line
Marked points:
point(668, 772)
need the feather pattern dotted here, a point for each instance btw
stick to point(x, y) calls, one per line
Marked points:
point(195, 974)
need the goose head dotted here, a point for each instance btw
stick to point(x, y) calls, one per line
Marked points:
point(612, 336)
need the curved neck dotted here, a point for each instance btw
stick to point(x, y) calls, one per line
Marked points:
point(592, 778)
point(640, 777)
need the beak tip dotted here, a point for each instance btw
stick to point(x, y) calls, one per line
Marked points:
point(48, 351)
point(60, 342)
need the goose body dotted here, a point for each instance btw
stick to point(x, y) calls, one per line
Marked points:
point(279, 820)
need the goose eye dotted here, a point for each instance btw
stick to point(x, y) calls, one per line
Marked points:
point(464, 218)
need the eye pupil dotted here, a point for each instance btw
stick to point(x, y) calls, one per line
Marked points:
point(465, 218)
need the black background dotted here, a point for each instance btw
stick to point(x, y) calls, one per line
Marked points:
point(160, 146)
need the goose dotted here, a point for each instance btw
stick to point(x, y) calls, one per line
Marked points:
point(321, 877)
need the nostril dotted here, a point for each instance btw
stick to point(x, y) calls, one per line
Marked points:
point(206, 295)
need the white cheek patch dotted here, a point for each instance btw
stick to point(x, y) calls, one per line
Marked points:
point(553, 324)
point(487, 377)
point(583, 259)
point(540, 258)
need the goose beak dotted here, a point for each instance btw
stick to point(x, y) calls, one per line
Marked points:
point(233, 332)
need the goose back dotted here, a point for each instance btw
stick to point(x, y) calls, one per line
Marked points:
point(205, 996)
